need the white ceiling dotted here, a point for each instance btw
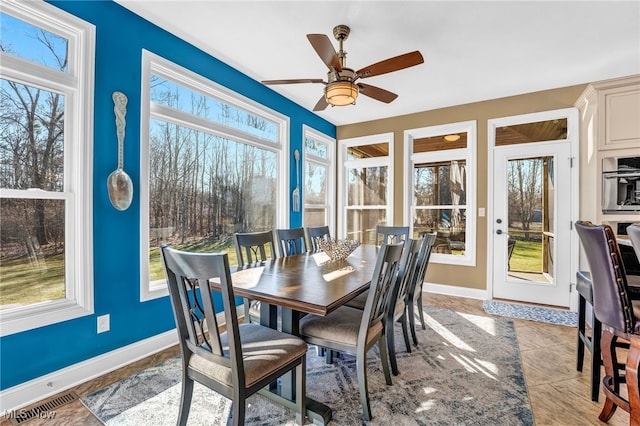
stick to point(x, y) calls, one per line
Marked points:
point(473, 50)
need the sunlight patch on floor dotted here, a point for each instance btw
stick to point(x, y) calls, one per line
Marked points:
point(428, 404)
point(476, 366)
point(445, 333)
point(486, 324)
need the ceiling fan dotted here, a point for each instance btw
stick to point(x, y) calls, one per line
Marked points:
point(342, 86)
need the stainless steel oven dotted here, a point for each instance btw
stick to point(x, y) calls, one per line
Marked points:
point(620, 184)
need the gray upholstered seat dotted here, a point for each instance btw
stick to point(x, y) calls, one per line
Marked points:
point(238, 362)
point(263, 350)
point(355, 331)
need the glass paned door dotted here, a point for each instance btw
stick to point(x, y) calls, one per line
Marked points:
point(531, 224)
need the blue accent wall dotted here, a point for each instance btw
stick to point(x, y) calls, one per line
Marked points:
point(120, 38)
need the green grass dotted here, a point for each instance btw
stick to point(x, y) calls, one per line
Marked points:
point(156, 271)
point(24, 283)
point(527, 256)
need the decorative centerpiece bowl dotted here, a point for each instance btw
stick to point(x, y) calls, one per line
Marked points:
point(338, 249)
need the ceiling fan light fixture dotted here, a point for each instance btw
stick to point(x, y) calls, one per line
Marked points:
point(341, 93)
point(452, 138)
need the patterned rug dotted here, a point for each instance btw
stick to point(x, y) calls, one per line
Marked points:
point(531, 313)
point(466, 371)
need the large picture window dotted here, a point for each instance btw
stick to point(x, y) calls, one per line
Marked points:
point(367, 185)
point(441, 188)
point(46, 98)
point(211, 167)
point(318, 179)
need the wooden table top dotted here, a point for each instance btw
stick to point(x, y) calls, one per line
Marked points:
point(310, 283)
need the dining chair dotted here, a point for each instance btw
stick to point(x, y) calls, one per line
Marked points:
point(251, 249)
point(414, 294)
point(315, 234)
point(398, 302)
point(614, 308)
point(397, 308)
point(236, 363)
point(391, 234)
point(584, 286)
point(291, 241)
point(354, 331)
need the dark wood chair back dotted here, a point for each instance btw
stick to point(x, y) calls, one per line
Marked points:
point(414, 294)
point(291, 241)
point(252, 247)
point(391, 234)
point(400, 297)
point(314, 234)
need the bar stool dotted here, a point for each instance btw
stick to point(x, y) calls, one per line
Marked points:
point(592, 342)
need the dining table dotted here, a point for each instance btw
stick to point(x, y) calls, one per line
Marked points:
point(293, 286)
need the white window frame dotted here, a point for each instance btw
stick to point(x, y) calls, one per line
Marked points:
point(329, 163)
point(467, 154)
point(157, 65)
point(345, 165)
point(77, 85)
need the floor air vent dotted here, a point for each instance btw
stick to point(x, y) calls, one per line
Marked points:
point(44, 410)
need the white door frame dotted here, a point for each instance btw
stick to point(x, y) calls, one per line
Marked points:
point(572, 116)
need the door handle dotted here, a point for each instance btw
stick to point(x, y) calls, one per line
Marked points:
point(499, 232)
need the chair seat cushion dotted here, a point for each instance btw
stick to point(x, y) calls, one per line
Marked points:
point(359, 301)
point(264, 350)
point(340, 326)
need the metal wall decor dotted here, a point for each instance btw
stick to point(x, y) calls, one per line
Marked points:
point(119, 183)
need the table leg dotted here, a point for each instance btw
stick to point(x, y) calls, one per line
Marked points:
point(269, 315)
point(317, 412)
point(284, 391)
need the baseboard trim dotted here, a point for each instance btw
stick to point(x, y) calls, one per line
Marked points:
point(451, 290)
point(27, 393)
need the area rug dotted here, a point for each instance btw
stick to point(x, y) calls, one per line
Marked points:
point(531, 313)
point(465, 371)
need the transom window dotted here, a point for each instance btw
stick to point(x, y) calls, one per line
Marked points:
point(46, 90)
point(210, 167)
point(442, 165)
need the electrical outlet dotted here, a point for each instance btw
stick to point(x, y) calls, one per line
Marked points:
point(103, 323)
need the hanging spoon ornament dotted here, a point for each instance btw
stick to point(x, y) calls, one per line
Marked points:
point(119, 183)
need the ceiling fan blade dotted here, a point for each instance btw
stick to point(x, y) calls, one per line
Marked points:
point(392, 64)
point(293, 81)
point(321, 105)
point(377, 93)
point(325, 50)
